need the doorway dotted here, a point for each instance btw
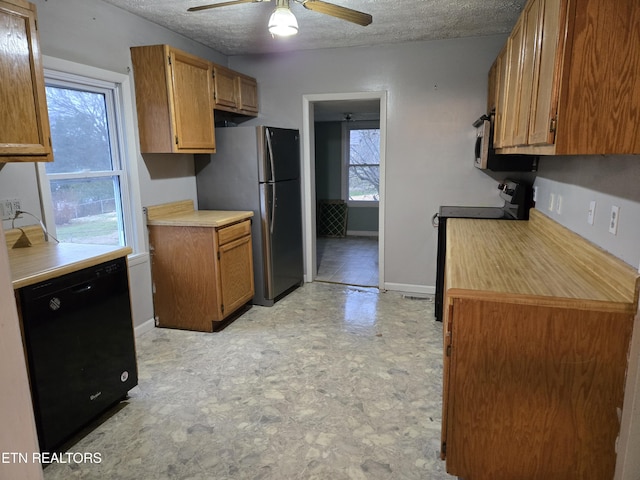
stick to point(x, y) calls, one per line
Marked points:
point(356, 256)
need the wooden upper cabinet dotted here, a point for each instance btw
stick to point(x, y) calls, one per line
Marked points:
point(492, 87)
point(248, 90)
point(24, 121)
point(234, 92)
point(224, 88)
point(544, 104)
point(529, 47)
point(585, 84)
point(175, 109)
point(512, 85)
point(502, 72)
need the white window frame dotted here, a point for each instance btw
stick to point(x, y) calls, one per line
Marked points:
point(62, 72)
point(346, 152)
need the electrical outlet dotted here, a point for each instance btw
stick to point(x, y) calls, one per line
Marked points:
point(592, 212)
point(552, 202)
point(9, 208)
point(613, 220)
point(559, 204)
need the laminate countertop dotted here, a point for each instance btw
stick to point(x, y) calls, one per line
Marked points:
point(536, 261)
point(183, 214)
point(33, 260)
point(202, 218)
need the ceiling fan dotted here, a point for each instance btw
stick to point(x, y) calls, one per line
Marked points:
point(282, 21)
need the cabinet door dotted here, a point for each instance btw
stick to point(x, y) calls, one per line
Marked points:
point(534, 390)
point(193, 111)
point(236, 274)
point(502, 67)
point(183, 263)
point(224, 88)
point(546, 77)
point(24, 122)
point(247, 94)
point(510, 112)
point(530, 41)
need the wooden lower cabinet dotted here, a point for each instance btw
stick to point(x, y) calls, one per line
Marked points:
point(537, 328)
point(201, 275)
point(533, 391)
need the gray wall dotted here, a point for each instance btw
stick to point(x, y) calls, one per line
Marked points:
point(435, 91)
point(328, 143)
point(328, 148)
point(609, 180)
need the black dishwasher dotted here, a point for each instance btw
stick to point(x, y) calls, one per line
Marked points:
point(80, 348)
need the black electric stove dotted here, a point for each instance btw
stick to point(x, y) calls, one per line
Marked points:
point(517, 201)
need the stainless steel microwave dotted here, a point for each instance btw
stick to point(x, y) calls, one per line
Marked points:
point(486, 158)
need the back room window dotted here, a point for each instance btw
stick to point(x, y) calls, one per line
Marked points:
point(362, 162)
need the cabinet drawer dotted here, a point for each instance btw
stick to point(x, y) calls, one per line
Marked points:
point(232, 232)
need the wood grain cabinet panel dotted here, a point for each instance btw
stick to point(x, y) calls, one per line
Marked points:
point(529, 47)
point(512, 83)
point(584, 91)
point(173, 101)
point(500, 94)
point(544, 99)
point(248, 89)
point(24, 120)
point(224, 88)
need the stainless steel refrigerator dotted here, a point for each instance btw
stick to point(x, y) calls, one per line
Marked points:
point(258, 169)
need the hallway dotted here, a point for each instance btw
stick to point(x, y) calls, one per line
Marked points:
point(348, 260)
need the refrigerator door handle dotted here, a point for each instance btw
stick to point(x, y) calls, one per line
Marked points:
point(267, 234)
point(272, 173)
point(273, 207)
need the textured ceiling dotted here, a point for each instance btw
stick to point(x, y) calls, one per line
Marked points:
point(242, 29)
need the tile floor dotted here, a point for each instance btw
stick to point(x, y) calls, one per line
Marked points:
point(348, 260)
point(333, 382)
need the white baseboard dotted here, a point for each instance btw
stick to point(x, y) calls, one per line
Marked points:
point(145, 327)
point(408, 288)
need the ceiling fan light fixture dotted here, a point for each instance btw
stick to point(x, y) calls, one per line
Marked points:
point(282, 22)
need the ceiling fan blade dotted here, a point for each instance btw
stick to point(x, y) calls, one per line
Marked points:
point(337, 11)
point(222, 4)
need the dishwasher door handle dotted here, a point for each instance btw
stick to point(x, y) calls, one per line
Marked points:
point(82, 288)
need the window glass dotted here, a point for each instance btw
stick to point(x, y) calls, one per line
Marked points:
point(363, 165)
point(79, 131)
point(85, 177)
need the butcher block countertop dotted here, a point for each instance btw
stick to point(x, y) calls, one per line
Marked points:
point(539, 262)
point(33, 260)
point(182, 214)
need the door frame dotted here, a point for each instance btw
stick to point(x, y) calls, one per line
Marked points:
point(309, 182)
